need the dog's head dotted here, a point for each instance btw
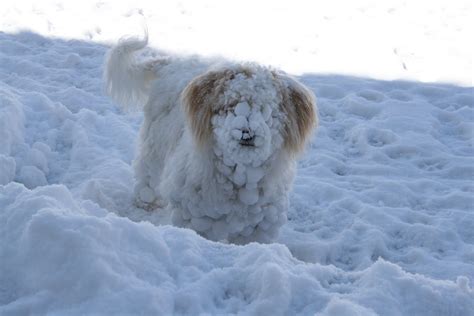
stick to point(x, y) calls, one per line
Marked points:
point(248, 112)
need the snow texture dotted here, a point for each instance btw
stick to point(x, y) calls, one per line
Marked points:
point(381, 215)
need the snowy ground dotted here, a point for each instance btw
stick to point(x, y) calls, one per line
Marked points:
point(382, 213)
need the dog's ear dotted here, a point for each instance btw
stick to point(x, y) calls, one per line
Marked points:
point(201, 100)
point(299, 106)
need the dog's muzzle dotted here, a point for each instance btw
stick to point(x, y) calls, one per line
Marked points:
point(247, 138)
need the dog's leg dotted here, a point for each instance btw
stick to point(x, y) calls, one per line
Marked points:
point(146, 187)
point(148, 166)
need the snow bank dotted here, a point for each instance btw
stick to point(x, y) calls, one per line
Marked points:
point(60, 256)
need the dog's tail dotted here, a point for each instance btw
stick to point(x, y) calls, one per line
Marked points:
point(127, 80)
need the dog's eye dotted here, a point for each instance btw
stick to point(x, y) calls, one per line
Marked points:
point(231, 106)
point(223, 112)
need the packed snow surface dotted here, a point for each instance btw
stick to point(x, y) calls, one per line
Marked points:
point(381, 217)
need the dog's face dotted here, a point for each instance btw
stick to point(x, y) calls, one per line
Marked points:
point(249, 112)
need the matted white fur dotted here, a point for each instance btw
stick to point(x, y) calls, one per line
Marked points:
point(218, 142)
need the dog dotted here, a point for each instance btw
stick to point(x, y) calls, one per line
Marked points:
point(219, 140)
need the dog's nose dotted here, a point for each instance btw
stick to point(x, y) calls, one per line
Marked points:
point(247, 138)
point(246, 134)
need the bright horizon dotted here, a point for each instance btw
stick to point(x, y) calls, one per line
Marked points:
point(419, 41)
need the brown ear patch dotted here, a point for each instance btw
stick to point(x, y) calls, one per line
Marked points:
point(299, 105)
point(200, 99)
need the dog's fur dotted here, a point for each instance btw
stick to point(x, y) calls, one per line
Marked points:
point(219, 139)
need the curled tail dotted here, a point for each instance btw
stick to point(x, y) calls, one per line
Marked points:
point(127, 81)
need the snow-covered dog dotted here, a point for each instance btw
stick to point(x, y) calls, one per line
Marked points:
point(219, 139)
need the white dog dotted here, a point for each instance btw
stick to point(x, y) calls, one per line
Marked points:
point(219, 139)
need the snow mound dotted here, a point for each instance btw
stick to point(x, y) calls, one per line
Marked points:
point(50, 242)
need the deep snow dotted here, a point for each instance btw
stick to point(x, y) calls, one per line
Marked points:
point(381, 220)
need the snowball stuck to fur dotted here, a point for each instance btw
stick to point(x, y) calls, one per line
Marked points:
point(32, 177)
point(147, 195)
point(242, 109)
point(248, 197)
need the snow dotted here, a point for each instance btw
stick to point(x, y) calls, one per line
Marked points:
point(89, 260)
point(381, 215)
